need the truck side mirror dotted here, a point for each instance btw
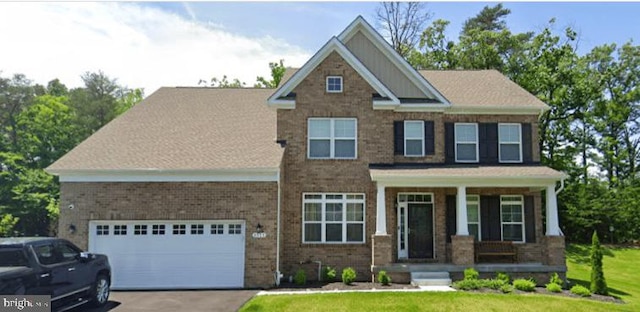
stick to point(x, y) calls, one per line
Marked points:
point(84, 256)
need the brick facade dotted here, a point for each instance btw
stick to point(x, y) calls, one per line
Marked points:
point(375, 141)
point(252, 202)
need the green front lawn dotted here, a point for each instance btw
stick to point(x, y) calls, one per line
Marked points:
point(622, 279)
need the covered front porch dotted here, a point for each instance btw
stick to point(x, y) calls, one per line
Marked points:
point(432, 219)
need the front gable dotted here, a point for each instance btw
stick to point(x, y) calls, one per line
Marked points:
point(397, 85)
point(285, 98)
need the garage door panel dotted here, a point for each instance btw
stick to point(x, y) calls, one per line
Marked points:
point(211, 257)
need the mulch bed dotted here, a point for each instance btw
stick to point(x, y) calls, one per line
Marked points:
point(564, 293)
point(318, 286)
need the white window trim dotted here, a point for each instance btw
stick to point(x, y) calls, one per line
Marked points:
point(456, 142)
point(344, 222)
point(511, 143)
point(332, 138)
point(502, 223)
point(327, 84)
point(421, 138)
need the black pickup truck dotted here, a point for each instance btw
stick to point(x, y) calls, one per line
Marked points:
point(54, 267)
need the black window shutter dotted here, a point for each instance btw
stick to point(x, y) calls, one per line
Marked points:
point(485, 225)
point(451, 217)
point(527, 147)
point(490, 218)
point(491, 141)
point(483, 148)
point(449, 143)
point(529, 220)
point(398, 135)
point(429, 138)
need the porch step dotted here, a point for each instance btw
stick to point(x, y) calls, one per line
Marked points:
point(430, 279)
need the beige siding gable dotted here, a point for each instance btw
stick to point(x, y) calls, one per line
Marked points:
point(383, 68)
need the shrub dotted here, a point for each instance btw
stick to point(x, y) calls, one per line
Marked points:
point(524, 284)
point(506, 288)
point(300, 278)
point(555, 279)
point(553, 287)
point(328, 274)
point(468, 284)
point(598, 283)
point(383, 278)
point(494, 283)
point(471, 274)
point(580, 291)
point(504, 277)
point(348, 276)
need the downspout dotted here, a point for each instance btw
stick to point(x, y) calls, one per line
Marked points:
point(558, 192)
point(278, 275)
point(561, 187)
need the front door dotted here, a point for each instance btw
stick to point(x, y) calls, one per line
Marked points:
point(420, 230)
point(415, 229)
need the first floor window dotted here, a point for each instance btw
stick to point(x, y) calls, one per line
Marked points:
point(473, 216)
point(333, 218)
point(512, 218)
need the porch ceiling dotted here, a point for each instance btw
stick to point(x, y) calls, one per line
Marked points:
point(469, 176)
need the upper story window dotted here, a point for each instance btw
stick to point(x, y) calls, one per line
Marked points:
point(333, 218)
point(466, 137)
point(334, 84)
point(512, 218)
point(510, 143)
point(332, 138)
point(414, 138)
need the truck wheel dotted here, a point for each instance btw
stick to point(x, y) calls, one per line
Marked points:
point(101, 291)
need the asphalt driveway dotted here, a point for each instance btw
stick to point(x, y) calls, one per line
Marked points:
point(171, 301)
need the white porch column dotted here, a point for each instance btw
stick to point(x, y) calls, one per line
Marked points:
point(553, 227)
point(381, 215)
point(461, 212)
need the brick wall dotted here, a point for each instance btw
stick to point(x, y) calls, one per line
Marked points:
point(253, 202)
point(374, 145)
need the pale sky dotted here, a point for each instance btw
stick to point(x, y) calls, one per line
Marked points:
point(153, 44)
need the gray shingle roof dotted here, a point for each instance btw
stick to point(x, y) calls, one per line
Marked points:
point(184, 129)
point(473, 88)
point(480, 88)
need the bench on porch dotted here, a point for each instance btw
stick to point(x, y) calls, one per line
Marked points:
point(496, 248)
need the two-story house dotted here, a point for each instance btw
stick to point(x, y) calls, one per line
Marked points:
point(355, 160)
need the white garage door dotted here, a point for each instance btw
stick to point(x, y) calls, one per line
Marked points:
point(171, 254)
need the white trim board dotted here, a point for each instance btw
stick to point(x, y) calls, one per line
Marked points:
point(263, 175)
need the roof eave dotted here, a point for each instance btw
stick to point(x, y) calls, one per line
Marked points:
point(467, 181)
point(267, 174)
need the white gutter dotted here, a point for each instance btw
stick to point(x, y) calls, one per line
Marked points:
point(278, 275)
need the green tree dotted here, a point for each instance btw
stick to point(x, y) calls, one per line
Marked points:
point(598, 283)
point(96, 103)
point(277, 72)
point(7, 222)
point(46, 131)
point(489, 19)
point(16, 94)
